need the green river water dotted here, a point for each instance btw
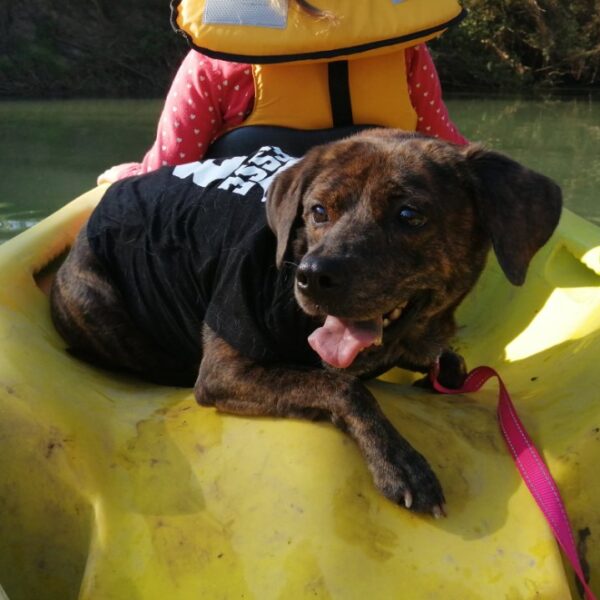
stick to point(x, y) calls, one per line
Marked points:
point(52, 151)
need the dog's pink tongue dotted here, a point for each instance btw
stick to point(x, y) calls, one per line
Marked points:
point(338, 342)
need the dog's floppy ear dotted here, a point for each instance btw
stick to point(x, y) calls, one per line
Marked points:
point(519, 208)
point(284, 206)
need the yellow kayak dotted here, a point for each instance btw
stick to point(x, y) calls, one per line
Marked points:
point(112, 488)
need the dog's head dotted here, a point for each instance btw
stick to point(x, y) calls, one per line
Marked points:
point(388, 227)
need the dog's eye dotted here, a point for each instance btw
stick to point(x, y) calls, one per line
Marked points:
point(319, 214)
point(411, 217)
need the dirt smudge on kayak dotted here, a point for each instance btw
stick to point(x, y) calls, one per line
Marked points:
point(356, 521)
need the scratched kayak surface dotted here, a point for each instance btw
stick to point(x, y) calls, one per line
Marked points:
point(114, 488)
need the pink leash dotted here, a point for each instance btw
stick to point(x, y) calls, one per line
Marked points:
point(530, 464)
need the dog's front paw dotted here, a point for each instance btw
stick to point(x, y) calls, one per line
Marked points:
point(406, 478)
point(452, 372)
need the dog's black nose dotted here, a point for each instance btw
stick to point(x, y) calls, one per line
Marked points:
point(317, 274)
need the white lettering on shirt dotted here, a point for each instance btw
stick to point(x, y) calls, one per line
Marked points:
point(239, 174)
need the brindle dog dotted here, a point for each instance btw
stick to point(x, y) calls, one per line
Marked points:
point(389, 232)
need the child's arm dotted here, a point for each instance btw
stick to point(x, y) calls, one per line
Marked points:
point(206, 98)
point(426, 97)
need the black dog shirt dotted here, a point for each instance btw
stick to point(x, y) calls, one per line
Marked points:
point(191, 244)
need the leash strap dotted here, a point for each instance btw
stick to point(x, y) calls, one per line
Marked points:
point(534, 472)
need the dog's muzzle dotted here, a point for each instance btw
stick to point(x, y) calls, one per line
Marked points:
point(322, 279)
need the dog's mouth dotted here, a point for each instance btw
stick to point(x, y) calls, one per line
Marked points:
point(339, 341)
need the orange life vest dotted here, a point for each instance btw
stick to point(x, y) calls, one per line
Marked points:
point(313, 73)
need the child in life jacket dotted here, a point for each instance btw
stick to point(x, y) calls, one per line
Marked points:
point(209, 96)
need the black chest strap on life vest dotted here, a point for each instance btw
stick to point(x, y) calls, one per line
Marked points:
point(339, 93)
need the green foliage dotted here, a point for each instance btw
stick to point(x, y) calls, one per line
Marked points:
point(99, 48)
point(52, 48)
point(523, 43)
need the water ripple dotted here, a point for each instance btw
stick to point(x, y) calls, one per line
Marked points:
point(13, 223)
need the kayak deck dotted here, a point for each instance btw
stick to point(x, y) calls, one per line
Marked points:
point(115, 488)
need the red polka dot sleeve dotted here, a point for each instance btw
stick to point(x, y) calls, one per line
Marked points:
point(209, 96)
point(206, 98)
point(426, 97)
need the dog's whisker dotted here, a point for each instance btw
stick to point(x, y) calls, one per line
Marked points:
point(291, 263)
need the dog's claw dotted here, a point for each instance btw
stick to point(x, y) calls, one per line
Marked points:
point(439, 511)
point(408, 499)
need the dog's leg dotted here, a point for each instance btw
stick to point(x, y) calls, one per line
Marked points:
point(235, 384)
point(452, 371)
point(89, 313)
